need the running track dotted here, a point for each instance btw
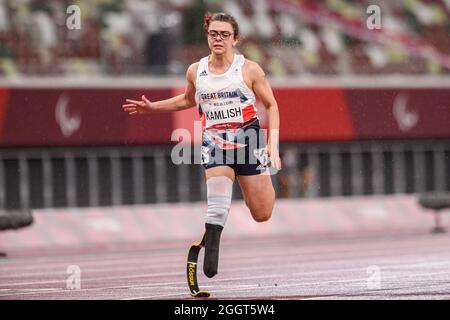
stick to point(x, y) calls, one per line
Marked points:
point(408, 266)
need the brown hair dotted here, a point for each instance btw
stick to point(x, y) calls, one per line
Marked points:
point(221, 16)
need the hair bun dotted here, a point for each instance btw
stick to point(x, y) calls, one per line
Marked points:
point(207, 18)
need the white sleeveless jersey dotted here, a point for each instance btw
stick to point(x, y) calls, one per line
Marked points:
point(224, 100)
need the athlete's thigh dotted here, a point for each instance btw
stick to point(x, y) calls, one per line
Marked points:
point(220, 171)
point(257, 190)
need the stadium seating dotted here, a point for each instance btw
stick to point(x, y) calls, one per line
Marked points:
point(288, 37)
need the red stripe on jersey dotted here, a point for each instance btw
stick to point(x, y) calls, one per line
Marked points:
point(249, 112)
point(203, 119)
point(229, 125)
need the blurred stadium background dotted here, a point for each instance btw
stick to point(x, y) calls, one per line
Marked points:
point(356, 104)
point(289, 38)
point(364, 113)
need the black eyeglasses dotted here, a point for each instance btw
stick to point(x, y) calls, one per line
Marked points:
point(224, 35)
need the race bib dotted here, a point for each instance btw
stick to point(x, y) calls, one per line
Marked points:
point(223, 114)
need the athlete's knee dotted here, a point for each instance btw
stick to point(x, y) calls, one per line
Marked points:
point(219, 193)
point(262, 210)
point(261, 215)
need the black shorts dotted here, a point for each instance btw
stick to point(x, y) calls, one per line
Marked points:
point(243, 150)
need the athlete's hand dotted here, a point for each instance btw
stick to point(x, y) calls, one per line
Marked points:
point(138, 107)
point(274, 155)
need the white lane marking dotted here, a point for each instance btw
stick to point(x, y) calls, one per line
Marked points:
point(283, 275)
point(298, 284)
point(245, 268)
point(26, 264)
point(286, 255)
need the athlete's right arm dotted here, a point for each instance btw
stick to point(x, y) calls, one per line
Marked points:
point(177, 103)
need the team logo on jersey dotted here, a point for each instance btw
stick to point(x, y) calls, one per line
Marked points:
point(242, 97)
point(203, 73)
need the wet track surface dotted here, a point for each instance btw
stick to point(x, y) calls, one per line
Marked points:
point(414, 266)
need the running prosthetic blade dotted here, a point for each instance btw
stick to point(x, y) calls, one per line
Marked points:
point(191, 270)
point(212, 244)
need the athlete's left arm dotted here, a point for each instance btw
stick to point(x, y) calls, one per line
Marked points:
point(263, 91)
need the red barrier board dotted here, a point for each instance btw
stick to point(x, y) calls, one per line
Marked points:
point(400, 113)
point(76, 116)
point(48, 117)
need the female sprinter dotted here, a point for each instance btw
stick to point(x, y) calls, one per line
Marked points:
point(225, 85)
